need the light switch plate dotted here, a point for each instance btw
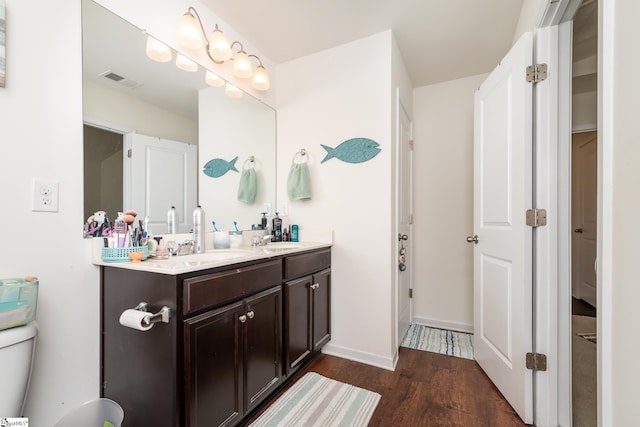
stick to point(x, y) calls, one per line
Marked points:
point(45, 196)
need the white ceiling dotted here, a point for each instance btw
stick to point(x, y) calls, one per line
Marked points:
point(439, 39)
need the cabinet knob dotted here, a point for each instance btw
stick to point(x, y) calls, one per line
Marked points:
point(242, 318)
point(315, 286)
point(250, 314)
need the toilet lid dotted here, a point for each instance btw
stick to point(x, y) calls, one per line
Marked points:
point(18, 334)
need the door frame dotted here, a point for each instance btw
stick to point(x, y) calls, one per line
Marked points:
point(402, 110)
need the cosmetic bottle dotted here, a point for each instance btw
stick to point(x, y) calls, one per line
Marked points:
point(277, 228)
point(294, 233)
point(263, 221)
point(171, 220)
point(198, 229)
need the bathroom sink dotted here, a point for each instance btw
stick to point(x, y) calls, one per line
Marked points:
point(279, 247)
point(195, 260)
point(211, 257)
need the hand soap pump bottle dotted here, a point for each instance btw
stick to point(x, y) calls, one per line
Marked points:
point(198, 229)
point(171, 220)
point(277, 228)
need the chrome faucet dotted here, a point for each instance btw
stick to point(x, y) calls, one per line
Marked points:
point(190, 244)
point(260, 241)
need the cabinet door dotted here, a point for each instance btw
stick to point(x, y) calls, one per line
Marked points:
point(297, 329)
point(262, 345)
point(213, 366)
point(321, 308)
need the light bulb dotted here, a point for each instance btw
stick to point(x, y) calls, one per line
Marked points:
point(260, 80)
point(189, 32)
point(219, 47)
point(186, 64)
point(158, 51)
point(242, 67)
point(213, 79)
point(232, 91)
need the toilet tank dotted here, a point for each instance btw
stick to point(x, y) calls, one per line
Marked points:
point(17, 346)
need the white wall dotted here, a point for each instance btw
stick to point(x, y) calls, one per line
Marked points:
point(116, 108)
point(530, 15)
point(625, 203)
point(443, 197)
point(327, 98)
point(41, 131)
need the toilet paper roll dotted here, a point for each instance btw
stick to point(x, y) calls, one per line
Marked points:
point(135, 319)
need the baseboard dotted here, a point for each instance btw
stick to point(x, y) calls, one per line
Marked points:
point(360, 356)
point(441, 324)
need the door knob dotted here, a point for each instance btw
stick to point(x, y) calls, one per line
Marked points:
point(578, 230)
point(402, 237)
point(473, 239)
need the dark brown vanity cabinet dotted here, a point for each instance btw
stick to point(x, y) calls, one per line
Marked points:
point(307, 307)
point(234, 334)
point(233, 359)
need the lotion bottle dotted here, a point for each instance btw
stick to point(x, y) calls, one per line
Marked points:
point(198, 229)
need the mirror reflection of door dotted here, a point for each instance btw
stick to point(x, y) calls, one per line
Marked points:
point(584, 215)
point(103, 171)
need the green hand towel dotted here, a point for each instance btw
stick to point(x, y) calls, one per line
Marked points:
point(248, 186)
point(299, 182)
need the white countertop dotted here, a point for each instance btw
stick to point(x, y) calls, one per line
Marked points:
point(215, 257)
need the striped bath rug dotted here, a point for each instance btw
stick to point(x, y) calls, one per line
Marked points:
point(318, 401)
point(441, 341)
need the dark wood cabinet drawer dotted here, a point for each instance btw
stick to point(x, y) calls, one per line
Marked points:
point(300, 265)
point(225, 286)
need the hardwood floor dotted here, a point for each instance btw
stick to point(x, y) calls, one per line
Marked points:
point(426, 389)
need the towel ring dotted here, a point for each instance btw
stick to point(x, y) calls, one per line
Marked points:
point(251, 161)
point(301, 155)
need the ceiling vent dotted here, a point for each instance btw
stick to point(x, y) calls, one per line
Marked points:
point(131, 84)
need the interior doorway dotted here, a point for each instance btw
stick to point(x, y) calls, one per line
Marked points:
point(584, 157)
point(103, 171)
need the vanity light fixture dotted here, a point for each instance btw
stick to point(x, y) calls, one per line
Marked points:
point(157, 50)
point(213, 79)
point(231, 91)
point(186, 64)
point(191, 34)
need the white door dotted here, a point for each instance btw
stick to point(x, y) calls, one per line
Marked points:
point(405, 265)
point(163, 174)
point(584, 215)
point(502, 257)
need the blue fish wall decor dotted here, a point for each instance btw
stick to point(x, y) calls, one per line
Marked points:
point(355, 150)
point(215, 168)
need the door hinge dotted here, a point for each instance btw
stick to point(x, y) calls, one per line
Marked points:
point(129, 153)
point(410, 292)
point(536, 73)
point(536, 217)
point(536, 361)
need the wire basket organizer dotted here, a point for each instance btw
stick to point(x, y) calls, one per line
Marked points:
point(122, 254)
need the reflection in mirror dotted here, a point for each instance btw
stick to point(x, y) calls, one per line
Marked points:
point(175, 118)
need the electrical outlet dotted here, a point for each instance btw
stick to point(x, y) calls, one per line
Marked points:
point(45, 196)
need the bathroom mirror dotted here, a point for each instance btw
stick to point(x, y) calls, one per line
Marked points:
point(129, 97)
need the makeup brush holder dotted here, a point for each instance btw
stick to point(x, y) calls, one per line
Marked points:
point(122, 254)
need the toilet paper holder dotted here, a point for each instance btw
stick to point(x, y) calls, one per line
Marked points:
point(160, 316)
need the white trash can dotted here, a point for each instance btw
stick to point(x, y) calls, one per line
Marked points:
point(95, 413)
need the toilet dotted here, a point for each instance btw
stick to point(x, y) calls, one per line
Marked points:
point(17, 346)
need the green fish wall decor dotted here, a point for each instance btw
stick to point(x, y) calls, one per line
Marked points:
point(215, 168)
point(355, 150)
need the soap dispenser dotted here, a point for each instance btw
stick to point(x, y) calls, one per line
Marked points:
point(277, 228)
